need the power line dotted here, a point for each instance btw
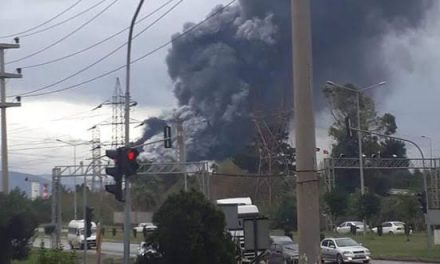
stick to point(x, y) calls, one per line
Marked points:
point(65, 37)
point(44, 23)
point(64, 21)
point(98, 43)
point(29, 94)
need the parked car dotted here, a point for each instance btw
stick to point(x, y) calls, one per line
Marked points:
point(342, 250)
point(345, 227)
point(392, 227)
point(148, 226)
point(283, 250)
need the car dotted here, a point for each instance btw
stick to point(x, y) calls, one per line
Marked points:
point(345, 227)
point(392, 227)
point(343, 250)
point(283, 250)
point(148, 226)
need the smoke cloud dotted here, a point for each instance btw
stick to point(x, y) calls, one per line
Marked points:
point(239, 62)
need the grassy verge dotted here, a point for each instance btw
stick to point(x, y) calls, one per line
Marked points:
point(397, 247)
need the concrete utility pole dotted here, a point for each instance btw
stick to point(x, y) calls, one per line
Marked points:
point(3, 106)
point(307, 181)
point(127, 209)
point(181, 151)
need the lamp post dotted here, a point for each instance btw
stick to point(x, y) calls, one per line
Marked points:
point(75, 211)
point(359, 134)
point(430, 147)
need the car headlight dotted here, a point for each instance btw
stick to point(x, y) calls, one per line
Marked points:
point(367, 252)
point(348, 253)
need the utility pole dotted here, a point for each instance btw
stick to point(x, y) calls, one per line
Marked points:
point(127, 209)
point(181, 151)
point(3, 106)
point(307, 181)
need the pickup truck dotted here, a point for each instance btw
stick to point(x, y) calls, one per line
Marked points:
point(148, 226)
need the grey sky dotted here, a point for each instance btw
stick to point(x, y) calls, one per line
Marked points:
point(411, 60)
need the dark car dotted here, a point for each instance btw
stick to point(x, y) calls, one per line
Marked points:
point(283, 250)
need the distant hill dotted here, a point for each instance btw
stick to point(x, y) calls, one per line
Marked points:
point(18, 180)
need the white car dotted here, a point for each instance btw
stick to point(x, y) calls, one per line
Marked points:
point(345, 227)
point(391, 227)
point(75, 235)
point(342, 250)
point(148, 226)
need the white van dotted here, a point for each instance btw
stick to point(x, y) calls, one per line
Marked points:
point(75, 235)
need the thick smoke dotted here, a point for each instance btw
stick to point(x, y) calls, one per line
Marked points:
point(239, 62)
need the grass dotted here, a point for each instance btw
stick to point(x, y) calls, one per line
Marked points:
point(91, 258)
point(397, 246)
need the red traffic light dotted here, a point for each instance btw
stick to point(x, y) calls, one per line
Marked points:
point(132, 154)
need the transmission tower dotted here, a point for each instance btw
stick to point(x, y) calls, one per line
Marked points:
point(118, 102)
point(270, 129)
point(96, 157)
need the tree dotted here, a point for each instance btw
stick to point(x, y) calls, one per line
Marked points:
point(191, 230)
point(343, 104)
point(285, 215)
point(368, 205)
point(337, 202)
point(17, 224)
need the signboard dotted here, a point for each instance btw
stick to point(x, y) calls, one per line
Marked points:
point(256, 234)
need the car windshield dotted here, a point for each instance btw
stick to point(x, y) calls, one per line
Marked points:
point(346, 242)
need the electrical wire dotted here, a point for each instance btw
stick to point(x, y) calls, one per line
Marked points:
point(44, 23)
point(30, 94)
point(27, 94)
point(64, 21)
point(97, 43)
point(65, 37)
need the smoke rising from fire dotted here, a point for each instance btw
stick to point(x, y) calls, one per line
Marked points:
point(239, 62)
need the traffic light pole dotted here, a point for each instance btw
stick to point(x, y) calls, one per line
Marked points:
point(127, 209)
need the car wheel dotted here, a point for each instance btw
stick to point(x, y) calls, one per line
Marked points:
point(391, 233)
point(339, 259)
point(366, 261)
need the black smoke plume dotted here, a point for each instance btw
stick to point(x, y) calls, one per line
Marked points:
point(239, 62)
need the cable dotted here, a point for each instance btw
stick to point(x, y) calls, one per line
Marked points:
point(65, 37)
point(64, 21)
point(44, 23)
point(98, 43)
point(29, 94)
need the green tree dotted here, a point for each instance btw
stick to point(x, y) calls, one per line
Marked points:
point(337, 203)
point(191, 230)
point(368, 205)
point(343, 103)
point(17, 224)
point(285, 216)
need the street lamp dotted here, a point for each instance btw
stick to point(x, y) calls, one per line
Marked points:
point(74, 145)
point(430, 147)
point(358, 110)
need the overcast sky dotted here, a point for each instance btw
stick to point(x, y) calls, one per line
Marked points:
point(411, 59)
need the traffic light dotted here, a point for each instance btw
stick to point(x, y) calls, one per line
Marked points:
point(421, 197)
point(167, 137)
point(88, 223)
point(116, 172)
point(348, 127)
point(129, 164)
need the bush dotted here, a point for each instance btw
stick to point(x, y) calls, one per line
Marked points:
point(191, 230)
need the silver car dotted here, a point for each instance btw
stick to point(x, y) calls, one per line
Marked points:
point(283, 250)
point(343, 250)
